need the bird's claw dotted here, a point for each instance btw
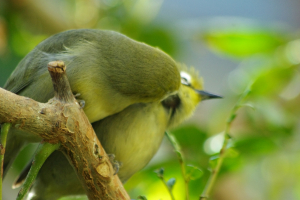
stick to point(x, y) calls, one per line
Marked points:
point(116, 165)
point(77, 95)
point(79, 101)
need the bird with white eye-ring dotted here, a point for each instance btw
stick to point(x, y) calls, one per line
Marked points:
point(130, 98)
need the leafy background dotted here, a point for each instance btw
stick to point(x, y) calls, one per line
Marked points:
point(232, 43)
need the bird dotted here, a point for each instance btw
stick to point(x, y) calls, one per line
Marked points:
point(109, 70)
point(133, 131)
point(132, 135)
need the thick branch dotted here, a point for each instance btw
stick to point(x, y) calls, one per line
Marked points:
point(62, 120)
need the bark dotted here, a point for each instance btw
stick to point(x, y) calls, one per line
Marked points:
point(61, 120)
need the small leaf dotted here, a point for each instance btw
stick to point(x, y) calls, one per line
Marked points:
point(193, 172)
point(274, 79)
point(232, 117)
point(248, 105)
point(243, 42)
point(232, 153)
point(141, 197)
point(255, 145)
point(160, 172)
point(171, 183)
point(213, 161)
point(227, 135)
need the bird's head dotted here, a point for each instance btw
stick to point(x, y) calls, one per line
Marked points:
point(184, 102)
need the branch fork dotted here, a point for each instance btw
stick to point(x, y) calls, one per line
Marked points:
point(62, 120)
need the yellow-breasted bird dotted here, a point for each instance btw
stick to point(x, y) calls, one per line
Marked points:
point(133, 93)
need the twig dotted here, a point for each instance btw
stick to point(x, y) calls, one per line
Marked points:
point(161, 177)
point(43, 152)
point(4, 131)
point(211, 181)
point(181, 162)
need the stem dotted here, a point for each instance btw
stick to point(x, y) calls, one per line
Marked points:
point(4, 131)
point(43, 152)
point(169, 189)
point(211, 181)
point(181, 162)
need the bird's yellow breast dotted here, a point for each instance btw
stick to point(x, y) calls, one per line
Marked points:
point(137, 130)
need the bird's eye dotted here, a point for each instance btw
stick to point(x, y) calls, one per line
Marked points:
point(185, 78)
point(184, 81)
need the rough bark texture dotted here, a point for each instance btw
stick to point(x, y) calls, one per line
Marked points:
point(62, 120)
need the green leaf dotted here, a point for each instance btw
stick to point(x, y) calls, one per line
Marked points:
point(248, 105)
point(213, 161)
point(141, 197)
point(272, 80)
point(232, 117)
point(160, 172)
point(243, 42)
point(193, 172)
point(256, 145)
point(171, 182)
point(231, 153)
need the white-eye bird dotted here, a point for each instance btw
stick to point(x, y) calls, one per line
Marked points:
point(133, 93)
point(132, 135)
point(109, 70)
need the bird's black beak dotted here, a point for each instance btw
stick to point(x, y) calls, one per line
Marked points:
point(206, 95)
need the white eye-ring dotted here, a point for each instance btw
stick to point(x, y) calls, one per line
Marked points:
point(185, 78)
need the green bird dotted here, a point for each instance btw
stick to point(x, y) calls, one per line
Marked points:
point(133, 93)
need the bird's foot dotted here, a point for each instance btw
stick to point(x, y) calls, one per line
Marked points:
point(116, 164)
point(79, 101)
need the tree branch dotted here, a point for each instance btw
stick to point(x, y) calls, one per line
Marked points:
point(61, 120)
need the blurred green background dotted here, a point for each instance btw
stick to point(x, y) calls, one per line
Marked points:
point(231, 43)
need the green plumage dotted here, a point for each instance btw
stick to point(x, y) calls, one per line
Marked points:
point(105, 67)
